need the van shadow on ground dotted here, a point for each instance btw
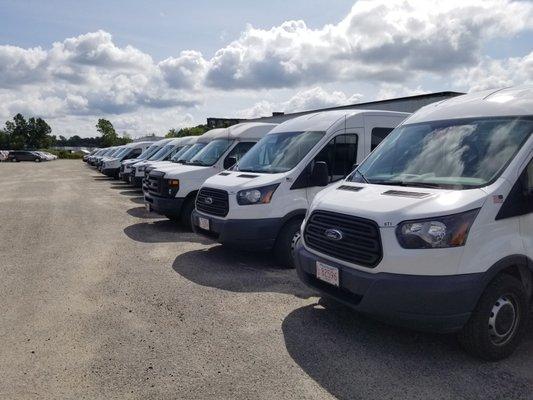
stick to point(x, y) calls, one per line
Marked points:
point(227, 269)
point(141, 212)
point(161, 231)
point(352, 356)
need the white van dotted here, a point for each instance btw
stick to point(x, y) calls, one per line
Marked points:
point(109, 154)
point(178, 157)
point(164, 154)
point(126, 166)
point(261, 203)
point(111, 165)
point(171, 192)
point(434, 230)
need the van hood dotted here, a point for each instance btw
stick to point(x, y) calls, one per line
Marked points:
point(390, 205)
point(233, 181)
point(179, 170)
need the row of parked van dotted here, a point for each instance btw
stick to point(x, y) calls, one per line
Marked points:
point(422, 220)
point(26, 155)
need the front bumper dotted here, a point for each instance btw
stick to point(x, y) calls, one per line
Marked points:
point(111, 172)
point(249, 234)
point(164, 206)
point(430, 303)
point(125, 176)
point(136, 180)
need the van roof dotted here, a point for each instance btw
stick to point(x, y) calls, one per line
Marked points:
point(211, 134)
point(249, 130)
point(162, 142)
point(511, 101)
point(182, 141)
point(322, 121)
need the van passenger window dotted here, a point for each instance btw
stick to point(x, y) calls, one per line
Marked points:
point(240, 150)
point(340, 154)
point(377, 135)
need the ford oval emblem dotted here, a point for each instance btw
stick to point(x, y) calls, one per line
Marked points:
point(208, 200)
point(333, 234)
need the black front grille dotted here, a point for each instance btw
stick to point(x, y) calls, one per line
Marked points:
point(353, 239)
point(155, 183)
point(213, 201)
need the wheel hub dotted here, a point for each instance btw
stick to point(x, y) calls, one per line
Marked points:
point(503, 320)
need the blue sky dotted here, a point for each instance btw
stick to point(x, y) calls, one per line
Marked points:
point(153, 65)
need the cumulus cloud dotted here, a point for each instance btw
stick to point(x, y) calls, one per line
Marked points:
point(308, 99)
point(492, 74)
point(378, 40)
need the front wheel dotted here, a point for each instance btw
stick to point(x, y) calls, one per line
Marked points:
point(186, 213)
point(286, 243)
point(37, 160)
point(498, 321)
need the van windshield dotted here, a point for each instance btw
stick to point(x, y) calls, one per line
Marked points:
point(279, 152)
point(211, 153)
point(450, 154)
point(148, 152)
point(162, 152)
point(180, 152)
point(191, 152)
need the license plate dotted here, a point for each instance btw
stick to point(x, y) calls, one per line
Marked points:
point(148, 207)
point(130, 178)
point(203, 223)
point(327, 273)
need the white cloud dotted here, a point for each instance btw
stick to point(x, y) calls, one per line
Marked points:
point(378, 40)
point(491, 74)
point(303, 100)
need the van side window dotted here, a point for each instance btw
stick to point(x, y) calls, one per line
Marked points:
point(340, 154)
point(520, 198)
point(238, 151)
point(377, 135)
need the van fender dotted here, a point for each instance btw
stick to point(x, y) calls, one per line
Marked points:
point(523, 267)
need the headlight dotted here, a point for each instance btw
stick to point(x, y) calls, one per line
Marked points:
point(173, 183)
point(438, 232)
point(261, 195)
point(141, 168)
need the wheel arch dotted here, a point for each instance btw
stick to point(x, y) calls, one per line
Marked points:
point(516, 265)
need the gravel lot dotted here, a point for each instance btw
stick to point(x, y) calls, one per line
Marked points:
point(100, 299)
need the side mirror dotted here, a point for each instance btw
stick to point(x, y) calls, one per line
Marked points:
point(230, 162)
point(319, 174)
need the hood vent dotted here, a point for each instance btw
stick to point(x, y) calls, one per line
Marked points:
point(350, 188)
point(224, 173)
point(247, 176)
point(402, 193)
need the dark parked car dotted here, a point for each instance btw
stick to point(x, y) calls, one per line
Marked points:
point(24, 155)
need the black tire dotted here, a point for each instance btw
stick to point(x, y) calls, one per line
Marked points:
point(284, 246)
point(498, 321)
point(186, 213)
point(37, 160)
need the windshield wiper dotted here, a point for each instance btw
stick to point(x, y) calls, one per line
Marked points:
point(406, 183)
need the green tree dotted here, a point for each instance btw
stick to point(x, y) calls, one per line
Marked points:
point(38, 134)
point(109, 135)
point(190, 131)
point(17, 131)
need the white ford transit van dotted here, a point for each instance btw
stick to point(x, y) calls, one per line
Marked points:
point(434, 230)
point(163, 156)
point(261, 203)
point(172, 192)
point(177, 158)
point(126, 166)
point(111, 166)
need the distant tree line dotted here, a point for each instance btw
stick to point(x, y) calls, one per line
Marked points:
point(34, 133)
point(193, 130)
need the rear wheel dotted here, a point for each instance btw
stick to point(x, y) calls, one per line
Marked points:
point(186, 213)
point(498, 321)
point(286, 243)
